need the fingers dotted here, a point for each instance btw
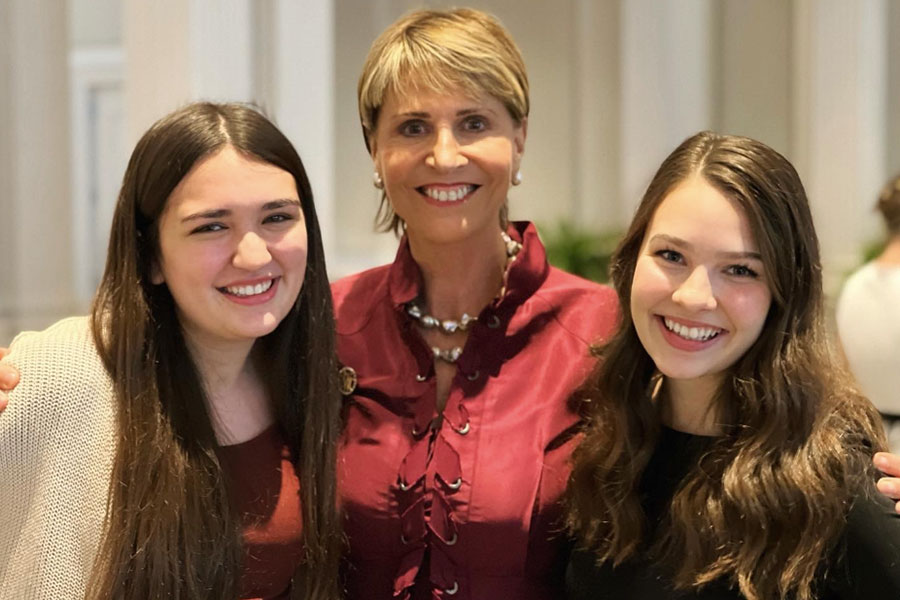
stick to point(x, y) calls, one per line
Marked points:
point(889, 464)
point(9, 378)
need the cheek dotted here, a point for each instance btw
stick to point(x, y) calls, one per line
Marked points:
point(649, 285)
point(188, 268)
point(498, 154)
point(294, 252)
point(749, 307)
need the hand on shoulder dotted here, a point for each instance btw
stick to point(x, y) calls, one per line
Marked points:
point(9, 378)
point(889, 464)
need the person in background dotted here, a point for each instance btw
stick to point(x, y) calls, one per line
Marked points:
point(180, 441)
point(468, 346)
point(727, 454)
point(868, 320)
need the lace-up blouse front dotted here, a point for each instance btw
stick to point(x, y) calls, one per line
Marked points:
point(463, 503)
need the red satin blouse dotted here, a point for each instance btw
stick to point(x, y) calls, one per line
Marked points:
point(464, 506)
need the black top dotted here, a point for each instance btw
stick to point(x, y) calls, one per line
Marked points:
point(868, 554)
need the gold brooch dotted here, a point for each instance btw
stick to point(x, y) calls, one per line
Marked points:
point(348, 380)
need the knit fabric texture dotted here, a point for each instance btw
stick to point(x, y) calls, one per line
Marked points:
point(57, 444)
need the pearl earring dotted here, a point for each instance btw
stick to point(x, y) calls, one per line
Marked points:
point(517, 178)
point(377, 181)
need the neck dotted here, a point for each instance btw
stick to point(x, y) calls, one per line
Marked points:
point(891, 253)
point(221, 366)
point(460, 277)
point(238, 403)
point(689, 405)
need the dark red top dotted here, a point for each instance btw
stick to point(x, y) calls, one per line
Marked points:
point(465, 506)
point(266, 491)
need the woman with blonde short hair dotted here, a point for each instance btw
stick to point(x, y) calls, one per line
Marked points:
point(466, 348)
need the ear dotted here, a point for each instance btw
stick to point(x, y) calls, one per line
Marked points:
point(519, 142)
point(156, 274)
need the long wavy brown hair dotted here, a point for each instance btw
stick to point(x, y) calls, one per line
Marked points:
point(171, 530)
point(768, 500)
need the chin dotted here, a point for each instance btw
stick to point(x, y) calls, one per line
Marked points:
point(683, 372)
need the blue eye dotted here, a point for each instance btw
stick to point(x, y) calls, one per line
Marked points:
point(475, 123)
point(412, 128)
point(670, 256)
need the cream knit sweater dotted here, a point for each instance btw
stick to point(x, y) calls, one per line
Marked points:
point(57, 442)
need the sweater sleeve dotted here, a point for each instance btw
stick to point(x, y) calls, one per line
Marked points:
point(868, 561)
point(56, 447)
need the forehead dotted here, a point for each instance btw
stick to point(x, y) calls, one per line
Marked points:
point(228, 176)
point(699, 213)
point(428, 100)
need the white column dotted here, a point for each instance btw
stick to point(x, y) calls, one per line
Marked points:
point(840, 121)
point(667, 83)
point(597, 106)
point(893, 92)
point(303, 97)
point(35, 285)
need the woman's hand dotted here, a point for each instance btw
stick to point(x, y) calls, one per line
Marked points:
point(9, 378)
point(889, 464)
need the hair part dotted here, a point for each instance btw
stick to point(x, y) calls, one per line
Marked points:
point(171, 529)
point(767, 502)
point(453, 51)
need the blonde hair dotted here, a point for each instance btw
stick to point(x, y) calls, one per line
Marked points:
point(452, 51)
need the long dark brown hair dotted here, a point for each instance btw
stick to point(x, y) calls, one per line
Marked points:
point(171, 530)
point(766, 503)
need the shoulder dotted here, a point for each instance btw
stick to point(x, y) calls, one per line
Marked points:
point(869, 282)
point(57, 366)
point(66, 346)
point(869, 555)
point(587, 309)
point(356, 296)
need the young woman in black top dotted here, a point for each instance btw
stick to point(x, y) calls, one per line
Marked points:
point(727, 455)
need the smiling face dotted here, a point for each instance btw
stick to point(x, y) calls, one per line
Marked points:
point(699, 296)
point(447, 162)
point(232, 248)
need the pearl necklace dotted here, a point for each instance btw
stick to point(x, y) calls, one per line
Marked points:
point(415, 310)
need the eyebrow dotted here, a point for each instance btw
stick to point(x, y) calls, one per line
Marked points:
point(218, 213)
point(677, 241)
point(460, 113)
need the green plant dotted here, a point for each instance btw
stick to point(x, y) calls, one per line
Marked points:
point(579, 250)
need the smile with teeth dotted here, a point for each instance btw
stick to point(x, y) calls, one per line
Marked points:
point(448, 195)
point(697, 334)
point(249, 290)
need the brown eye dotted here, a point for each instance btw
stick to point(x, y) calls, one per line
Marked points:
point(742, 271)
point(209, 228)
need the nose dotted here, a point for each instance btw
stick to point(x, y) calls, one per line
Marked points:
point(445, 154)
point(696, 292)
point(252, 252)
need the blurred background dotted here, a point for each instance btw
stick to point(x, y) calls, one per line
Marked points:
point(615, 84)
